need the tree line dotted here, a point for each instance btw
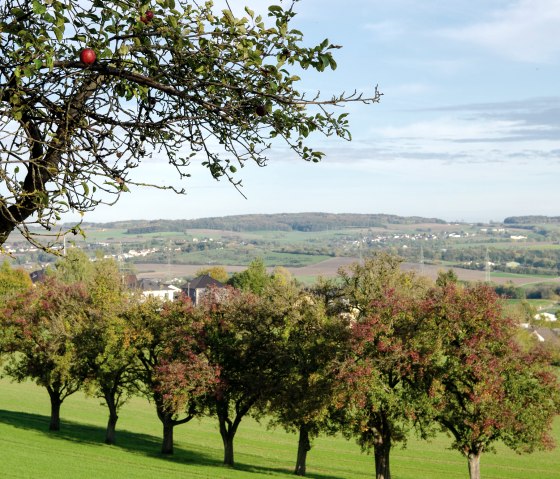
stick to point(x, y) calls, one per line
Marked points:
point(375, 354)
point(272, 222)
point(531, 220)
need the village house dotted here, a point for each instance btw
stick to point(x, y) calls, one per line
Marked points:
point(155, 289)
point(196, 288)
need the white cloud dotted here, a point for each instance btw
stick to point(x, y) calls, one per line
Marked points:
point(527, 30)
point(452, 139)
point(450, 129)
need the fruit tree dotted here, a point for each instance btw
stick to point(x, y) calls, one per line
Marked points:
point(91, 88)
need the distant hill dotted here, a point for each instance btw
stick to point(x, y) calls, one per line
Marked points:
point(271, 222)
point(531, 220)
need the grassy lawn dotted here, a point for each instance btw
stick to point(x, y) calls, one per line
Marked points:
point(78, 451)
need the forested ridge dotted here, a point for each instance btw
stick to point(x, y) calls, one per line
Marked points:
point(531, 220)
point(272, 222)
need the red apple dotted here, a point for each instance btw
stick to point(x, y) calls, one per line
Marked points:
point(147, 17)
point(88, 56)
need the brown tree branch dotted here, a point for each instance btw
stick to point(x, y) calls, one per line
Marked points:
point(44, 166)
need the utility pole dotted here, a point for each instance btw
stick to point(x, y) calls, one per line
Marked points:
point(169, 253)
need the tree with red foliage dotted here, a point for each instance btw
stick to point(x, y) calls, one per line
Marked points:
point(41, 325)
point(487, 389)
point(245, 343)
point(392, 349)
point(174, 370)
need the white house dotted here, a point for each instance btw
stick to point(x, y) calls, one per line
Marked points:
point(154, 289)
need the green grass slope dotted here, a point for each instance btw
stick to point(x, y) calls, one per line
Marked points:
point(28, 450)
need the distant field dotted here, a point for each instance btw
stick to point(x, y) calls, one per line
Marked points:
point(292, 237)
point(235, 258)
point(326, 268)
point(502, 243)
point(329, 268)
point(295, 237)
point(28, 450)
point(528, 245)
point(303, 252)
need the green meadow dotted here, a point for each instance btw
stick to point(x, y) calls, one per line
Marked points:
point(29, 450)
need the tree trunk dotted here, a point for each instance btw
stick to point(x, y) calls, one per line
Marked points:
point(227, 431)
point(474, 464)
point(228, 449)
point(169, 422)
point(228, 428)
point(303, 447)
point(113, 418)
point(111, 427)
point(382, 450)
point(167, 444)
point(55, 411)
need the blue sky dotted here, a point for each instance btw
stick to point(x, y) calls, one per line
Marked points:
point(468, 127)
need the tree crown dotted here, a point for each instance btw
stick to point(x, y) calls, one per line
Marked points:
point(90, 89)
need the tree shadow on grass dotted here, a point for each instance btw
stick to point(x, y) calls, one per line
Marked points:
point(94, 435)
point(133, 442)
point(249, 468)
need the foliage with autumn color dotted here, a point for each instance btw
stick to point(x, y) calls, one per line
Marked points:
point(377, 354)
point(486, 388)
point(245, 343)
point(41, 326)
point(173, 369)
point(391, 351)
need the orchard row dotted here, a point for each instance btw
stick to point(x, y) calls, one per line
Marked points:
point(375, 354)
